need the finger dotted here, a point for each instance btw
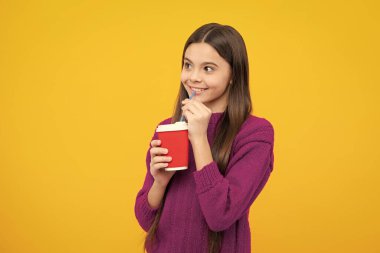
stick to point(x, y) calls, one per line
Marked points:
point(158, 151)
point(155, 143)
point(161, 159)
point(199, 108)
point(188, 115)
point(187, 101)
point(199, 105)
point(193, 109)
point(158, 166)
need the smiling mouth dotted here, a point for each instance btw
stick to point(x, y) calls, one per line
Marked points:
point(197, 90)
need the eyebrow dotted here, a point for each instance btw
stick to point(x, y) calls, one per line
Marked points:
point(204, 63)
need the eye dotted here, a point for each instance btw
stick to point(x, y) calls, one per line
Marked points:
point(186, 65)
point(209, 68)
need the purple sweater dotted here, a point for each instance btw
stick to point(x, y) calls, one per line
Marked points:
point(198, 200)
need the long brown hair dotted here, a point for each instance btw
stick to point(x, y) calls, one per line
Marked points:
point(230, 46)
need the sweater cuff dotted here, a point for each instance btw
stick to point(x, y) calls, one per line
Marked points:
point(147, 210)
point(207, 177)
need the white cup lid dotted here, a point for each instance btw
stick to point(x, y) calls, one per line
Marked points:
point(178, 126)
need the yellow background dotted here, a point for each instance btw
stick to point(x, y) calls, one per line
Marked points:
point(84, 83)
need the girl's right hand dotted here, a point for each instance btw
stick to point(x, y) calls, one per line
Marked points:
point(158, 163)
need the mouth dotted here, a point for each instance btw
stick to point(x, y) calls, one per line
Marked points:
point(198, 91)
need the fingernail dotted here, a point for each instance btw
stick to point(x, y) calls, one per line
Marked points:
point(166, 151)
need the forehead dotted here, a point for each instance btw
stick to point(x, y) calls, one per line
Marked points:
point(202, 52)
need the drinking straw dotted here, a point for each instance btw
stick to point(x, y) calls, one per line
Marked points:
point(192, 95)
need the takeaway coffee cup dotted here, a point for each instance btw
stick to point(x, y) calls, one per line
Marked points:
point(174, 137)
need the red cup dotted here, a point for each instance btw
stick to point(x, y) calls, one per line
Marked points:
point(175, 138)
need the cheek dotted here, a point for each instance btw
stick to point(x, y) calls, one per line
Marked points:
point(184, 77)
point(217, 86)
point(215, 83)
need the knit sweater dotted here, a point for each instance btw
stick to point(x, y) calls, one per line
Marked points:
point(200, 200)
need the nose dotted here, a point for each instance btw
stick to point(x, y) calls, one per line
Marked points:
point(195, 76)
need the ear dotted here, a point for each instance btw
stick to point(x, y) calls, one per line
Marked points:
point(231, 81)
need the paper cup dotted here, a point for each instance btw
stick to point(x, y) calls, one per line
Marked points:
point(175, 138)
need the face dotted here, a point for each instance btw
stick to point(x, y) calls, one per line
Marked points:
point(206, 72)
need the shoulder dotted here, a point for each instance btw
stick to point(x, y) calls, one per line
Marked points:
point(256, 128)
point(255, 123)
point(166, 121)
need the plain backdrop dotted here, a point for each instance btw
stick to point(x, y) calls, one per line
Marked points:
point(83, 85)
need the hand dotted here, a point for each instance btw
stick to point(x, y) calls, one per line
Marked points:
point(198, 116)
point(158, 162)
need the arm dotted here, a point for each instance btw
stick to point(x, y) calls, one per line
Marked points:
point(224, 200)
point(149, 198)
point(202, 152)
point(145, 213)
point(155, 195)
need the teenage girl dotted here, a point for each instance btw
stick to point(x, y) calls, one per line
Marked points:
point(204, 209)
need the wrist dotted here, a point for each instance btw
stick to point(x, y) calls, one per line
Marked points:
point(202, 152)
point(159, 186)
point(155, 196)
point(200, 139)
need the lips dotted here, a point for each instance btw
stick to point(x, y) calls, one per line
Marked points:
point(198, 90)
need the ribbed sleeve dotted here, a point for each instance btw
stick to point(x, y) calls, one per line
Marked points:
point(223, 200)
point(208, 177)
point(145, 214)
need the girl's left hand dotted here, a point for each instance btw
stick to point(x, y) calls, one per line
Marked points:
point(198, 116)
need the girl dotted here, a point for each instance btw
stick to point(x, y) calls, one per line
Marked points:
point(205, 208)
